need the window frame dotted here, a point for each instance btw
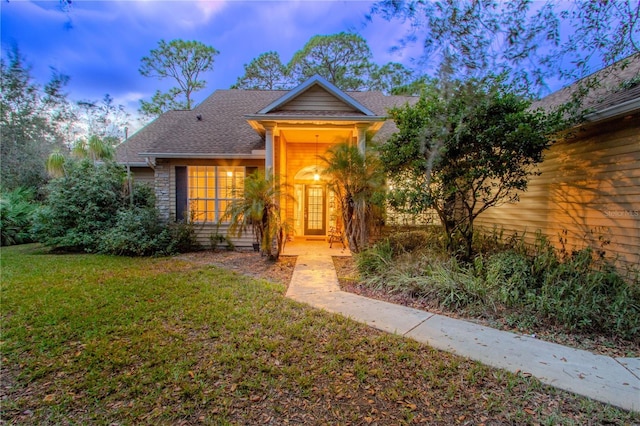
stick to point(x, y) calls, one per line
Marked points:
point(209, 191)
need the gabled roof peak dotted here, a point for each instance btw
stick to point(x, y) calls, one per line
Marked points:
point(317, 80)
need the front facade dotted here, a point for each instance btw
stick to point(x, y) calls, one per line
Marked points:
point(197, 160)
point(588, 192)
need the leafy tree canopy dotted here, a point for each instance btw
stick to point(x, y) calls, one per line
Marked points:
point(183, 62)
point(532, 41)
point(32, 121)
point(266, 72)
point(463, 148)
point(343, 59)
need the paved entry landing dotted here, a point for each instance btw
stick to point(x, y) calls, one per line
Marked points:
point(612, 380)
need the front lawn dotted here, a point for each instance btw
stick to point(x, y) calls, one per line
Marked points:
point(89, 339)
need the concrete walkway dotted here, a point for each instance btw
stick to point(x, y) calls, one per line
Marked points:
point(612, 380)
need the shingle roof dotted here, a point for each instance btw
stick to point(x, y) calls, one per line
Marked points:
point(140, 141)
point(608, 91)
point(223, 129)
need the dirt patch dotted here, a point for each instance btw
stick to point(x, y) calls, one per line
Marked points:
point(247, 263)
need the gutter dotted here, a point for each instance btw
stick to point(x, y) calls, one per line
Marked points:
point(357, 118)
point(133, 163)
point(257, 156)
point(615, 110)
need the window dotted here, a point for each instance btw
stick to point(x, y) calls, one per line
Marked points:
point(211, 190)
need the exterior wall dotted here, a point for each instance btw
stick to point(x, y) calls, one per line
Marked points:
point(165, 188)
point(590, 187)
point(316, 99)
point(144, 175)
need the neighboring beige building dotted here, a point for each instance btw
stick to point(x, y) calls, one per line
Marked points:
point(590, 181)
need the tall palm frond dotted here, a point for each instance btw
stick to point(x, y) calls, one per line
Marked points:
point(55, 164)
point(259, 211)
point(358, 181)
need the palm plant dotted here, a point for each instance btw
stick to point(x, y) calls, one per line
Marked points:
point(358, 182)
point(95, 149)
point(259, 211)
point(16, 215)
point(55, 164)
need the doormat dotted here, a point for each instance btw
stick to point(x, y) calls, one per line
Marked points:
point(316, 239)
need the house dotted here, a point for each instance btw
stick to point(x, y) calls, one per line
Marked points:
point(588, 192)
point(197, 160)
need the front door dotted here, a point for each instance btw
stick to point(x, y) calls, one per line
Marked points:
point(314, 211)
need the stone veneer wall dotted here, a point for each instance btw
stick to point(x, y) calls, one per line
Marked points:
point(163, 189)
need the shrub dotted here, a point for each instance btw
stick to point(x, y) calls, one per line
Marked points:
point(81, 206)
point(409, 241)
point(183, 237)
point(588, 294)
point(579, 290)
point(137, 232)
point(375, 259)
point(17, 210)
point(510, 275)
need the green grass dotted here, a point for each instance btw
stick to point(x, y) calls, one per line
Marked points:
point(90, 339)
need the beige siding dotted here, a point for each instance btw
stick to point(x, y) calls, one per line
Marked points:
point(144, 175)
point(316, 99)
point(589, 187)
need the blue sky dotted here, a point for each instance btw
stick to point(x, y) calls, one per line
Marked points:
point(99, 44)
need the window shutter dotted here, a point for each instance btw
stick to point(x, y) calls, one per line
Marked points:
point(181, 193)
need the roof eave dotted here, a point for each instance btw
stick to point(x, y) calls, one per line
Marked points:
point(621, 109)
point(260, 155)
point(134, 163)
point(322, 82)
point(261, 118)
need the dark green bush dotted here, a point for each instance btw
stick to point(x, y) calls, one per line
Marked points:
point(89, 209)
point(183, 237)
point(17, 210)
point(579, 291)
point(510, 274)
point(137, 232)
point(81, 205)
point(585, 293)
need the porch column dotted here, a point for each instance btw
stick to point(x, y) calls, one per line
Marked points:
point(361, 137)
point(268, 149)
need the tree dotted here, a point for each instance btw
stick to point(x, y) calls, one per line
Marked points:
point(389, 77)
point(31, 121)
point(259, 210)
point(344, 59)
point(465, 147)
point(101, 118)
point(182, 61)
point(531, 41)
point(266, 72)
point(357, 180)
